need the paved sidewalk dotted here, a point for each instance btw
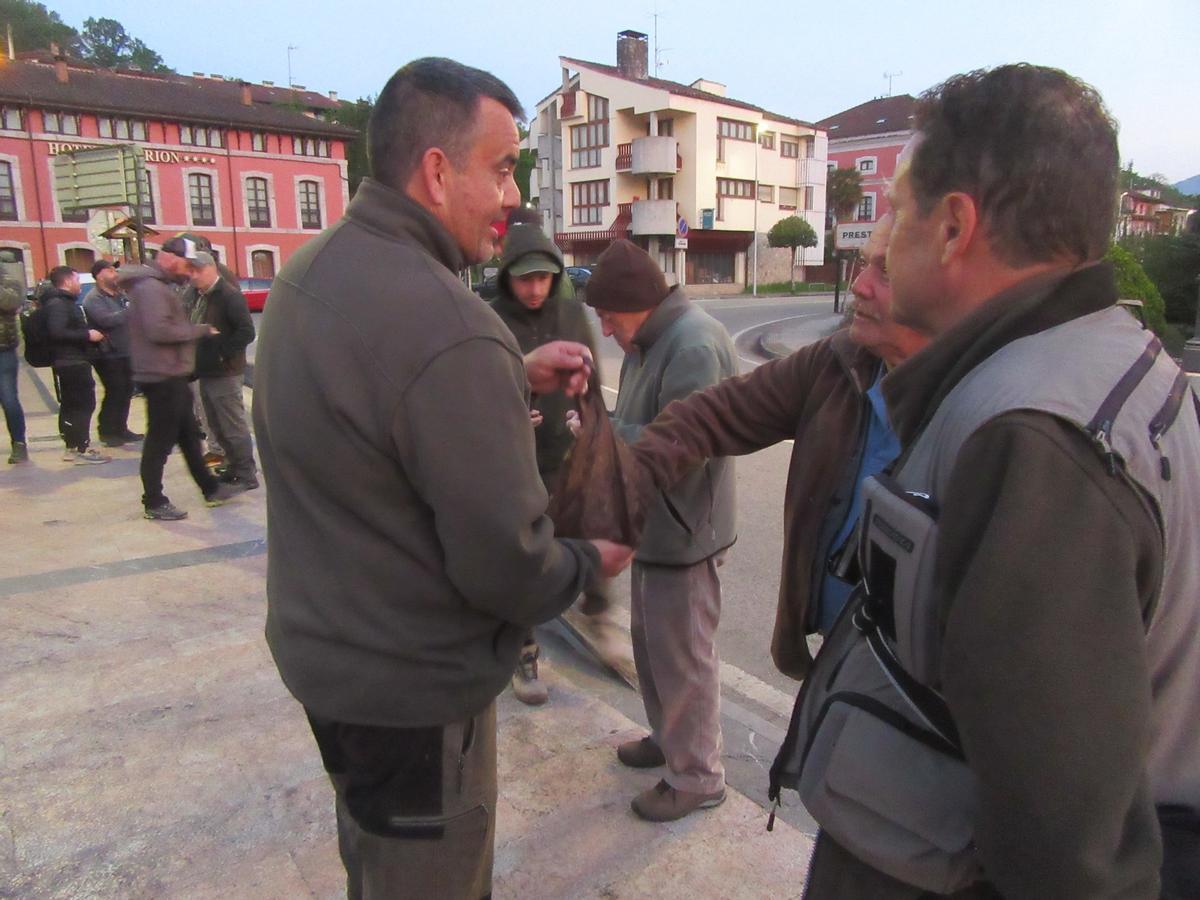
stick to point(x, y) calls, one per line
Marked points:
point(789, 336)
point(149, 749)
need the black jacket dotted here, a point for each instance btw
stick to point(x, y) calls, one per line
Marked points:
point(68, 329)
point(224, 307)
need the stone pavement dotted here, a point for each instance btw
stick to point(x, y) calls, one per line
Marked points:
point(149, 749)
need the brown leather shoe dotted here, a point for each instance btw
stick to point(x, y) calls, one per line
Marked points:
point(663, 803)
point(643, 754)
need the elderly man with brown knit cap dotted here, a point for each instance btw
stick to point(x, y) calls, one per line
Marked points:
point(672, 349)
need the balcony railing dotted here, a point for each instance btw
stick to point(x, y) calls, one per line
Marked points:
point(624, 157)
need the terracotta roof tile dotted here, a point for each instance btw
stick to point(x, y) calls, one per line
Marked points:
point(884, 115)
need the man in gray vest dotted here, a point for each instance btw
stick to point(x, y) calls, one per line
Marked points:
point(1052, 450)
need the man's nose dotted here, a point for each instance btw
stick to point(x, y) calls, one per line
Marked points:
point(512, 194)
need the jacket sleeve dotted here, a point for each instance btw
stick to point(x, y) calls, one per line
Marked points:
point(731, 418)
point(463, 433)
point(237, 314)
point(153, 306)
point(11, 298)
point(62, 326)
point(1046, 568)
point(102, 313)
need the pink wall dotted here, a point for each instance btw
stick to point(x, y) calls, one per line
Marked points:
point(876, 182)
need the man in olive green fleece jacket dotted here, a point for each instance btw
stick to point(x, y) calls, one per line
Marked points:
point(408, 542)
point(672, 349)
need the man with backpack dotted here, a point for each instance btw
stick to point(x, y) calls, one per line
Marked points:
point(72, 343)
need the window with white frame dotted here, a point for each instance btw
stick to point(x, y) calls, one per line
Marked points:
point(310, 205)
point(122, 129)
point(148, 216)
point(866, 165)
point(12, 118)
point(8, 193)
point(258, 204)
point(307, 146)
point(588, 201)
point(258, 141)
point(60, 122)
point(734, 187)
point(200, 136)
point(200, 197)
point(866, 208)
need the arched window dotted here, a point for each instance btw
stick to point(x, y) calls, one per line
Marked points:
point(262, 262)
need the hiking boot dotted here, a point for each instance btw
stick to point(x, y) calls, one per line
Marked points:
point(222, 495)
point(166, 513)
point(643, 754)
point(529, 689)
point(663, 803)
point(20, 453)
point(91, 457)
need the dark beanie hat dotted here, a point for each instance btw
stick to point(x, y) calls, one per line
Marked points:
point(626, 279)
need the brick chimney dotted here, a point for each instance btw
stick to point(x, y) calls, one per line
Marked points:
point(633, 54)
point(60, 63)
point(247, 100)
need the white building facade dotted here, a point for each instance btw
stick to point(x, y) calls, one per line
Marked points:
point(692, 176)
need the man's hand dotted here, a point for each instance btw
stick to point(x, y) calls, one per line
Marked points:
point(559, 366)
point(535, 417)
point(95, 336)
point(573, 424)
point(613, 557)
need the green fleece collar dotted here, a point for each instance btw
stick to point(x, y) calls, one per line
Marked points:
point(391, 213)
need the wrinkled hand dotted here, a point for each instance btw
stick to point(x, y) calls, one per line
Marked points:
point(613, 557)
point(573, 424)
point(535, 417)
point(559, 366)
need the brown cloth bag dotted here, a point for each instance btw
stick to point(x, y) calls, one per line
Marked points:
point(600, 486)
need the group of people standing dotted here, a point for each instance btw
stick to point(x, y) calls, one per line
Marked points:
point(156, 328)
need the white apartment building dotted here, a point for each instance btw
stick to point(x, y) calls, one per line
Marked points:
point(691, 175)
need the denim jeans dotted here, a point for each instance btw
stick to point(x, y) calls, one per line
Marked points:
point(14, 416)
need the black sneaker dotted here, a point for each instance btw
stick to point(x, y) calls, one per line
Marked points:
point(113, 441)
point(222, 495)
point(20, 453)
point(246, 484)
point(165, 513)
point(131, 437)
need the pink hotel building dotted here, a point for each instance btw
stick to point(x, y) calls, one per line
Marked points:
point(255, 168)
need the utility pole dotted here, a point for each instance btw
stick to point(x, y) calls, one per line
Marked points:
point(291, 47)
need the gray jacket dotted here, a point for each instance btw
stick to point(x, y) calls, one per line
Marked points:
point(109, 314)
point(409, 546)
point(680, 349)
point(162, 341)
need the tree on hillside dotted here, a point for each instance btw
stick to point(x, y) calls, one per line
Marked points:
point(1172, 263)
point(355, 115)
point(106, 43)
point(35, 27)
point(843, 191)
point(792, 232)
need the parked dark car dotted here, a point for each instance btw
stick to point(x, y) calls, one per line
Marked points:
point(579, 275)
point(256, 290)
point(487, 289)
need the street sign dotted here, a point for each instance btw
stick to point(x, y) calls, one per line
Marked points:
point(853, 236)
point(682, 228)
point(681, 243)
point(104, 176)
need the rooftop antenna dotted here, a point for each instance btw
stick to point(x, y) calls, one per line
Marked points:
point(291, 47)
point(659, 62)
point(889, 76)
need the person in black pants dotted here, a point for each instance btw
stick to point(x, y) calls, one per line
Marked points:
point(72, 341)
point(163, 352)
point(107, 309)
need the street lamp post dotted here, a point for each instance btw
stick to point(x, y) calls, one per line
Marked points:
point(1191, 350)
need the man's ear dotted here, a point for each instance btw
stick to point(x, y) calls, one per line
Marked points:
point(432, 177)
point(959, 225)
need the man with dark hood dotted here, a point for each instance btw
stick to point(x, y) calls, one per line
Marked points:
point(530, 304)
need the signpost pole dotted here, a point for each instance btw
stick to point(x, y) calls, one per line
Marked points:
point(137, 211)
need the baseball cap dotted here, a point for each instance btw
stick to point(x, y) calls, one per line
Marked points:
point(203, 260)
point(100, 265)
point(180, 247)
point(534, 262)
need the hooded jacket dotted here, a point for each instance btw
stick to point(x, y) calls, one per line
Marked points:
point(409, 546)
point(559, 318)
point(222, 306)
point(162, 341)
point(67, 327)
